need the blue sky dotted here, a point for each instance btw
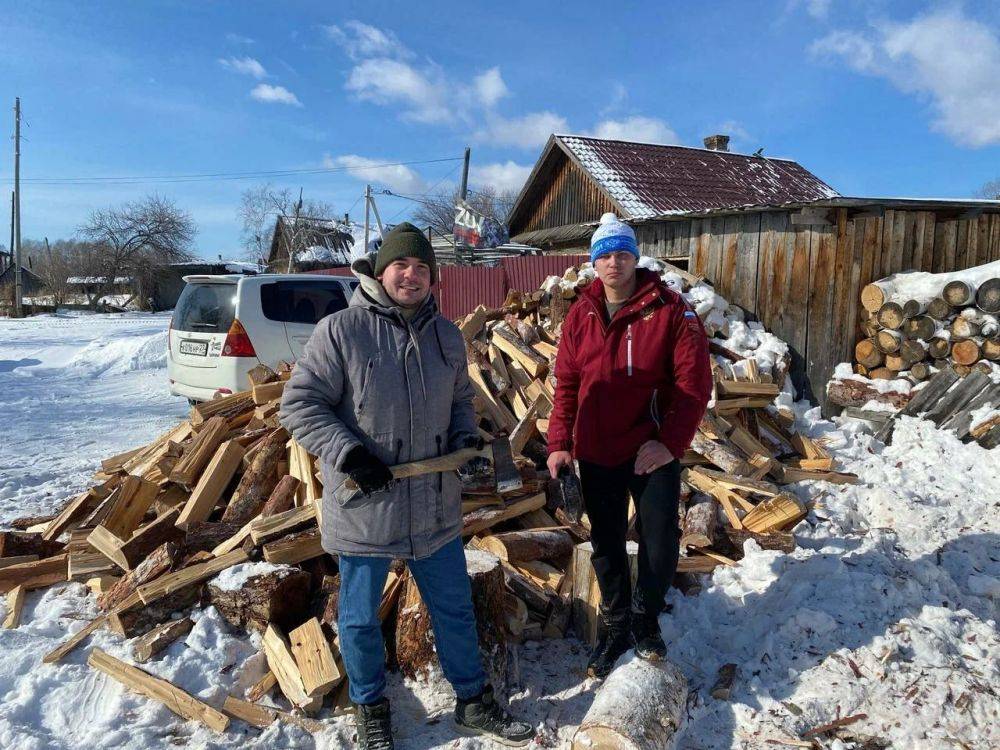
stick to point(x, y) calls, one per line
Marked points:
point(876, 98)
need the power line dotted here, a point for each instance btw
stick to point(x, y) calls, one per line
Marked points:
point(173, 179)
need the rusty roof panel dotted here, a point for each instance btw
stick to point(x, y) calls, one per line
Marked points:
point(649, 180)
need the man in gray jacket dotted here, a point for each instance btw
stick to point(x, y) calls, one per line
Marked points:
point(381, 383)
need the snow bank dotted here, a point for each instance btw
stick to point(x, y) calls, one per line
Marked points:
point(121, 355)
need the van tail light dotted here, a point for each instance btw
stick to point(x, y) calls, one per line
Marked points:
point(170, 332)
point(238, 344)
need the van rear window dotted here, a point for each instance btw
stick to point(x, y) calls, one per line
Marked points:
point(209, 308)
point(302, 301)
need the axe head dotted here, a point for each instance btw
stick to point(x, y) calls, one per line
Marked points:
point(508, 478)
point(570, 493)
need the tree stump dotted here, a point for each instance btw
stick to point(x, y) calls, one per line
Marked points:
point(639, 707)
point(415, 639)
point(251, 600)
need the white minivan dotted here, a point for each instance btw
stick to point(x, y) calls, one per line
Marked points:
point(225, 325)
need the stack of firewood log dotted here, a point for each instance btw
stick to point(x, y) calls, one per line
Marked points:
point(915, 323)
point(222, 511)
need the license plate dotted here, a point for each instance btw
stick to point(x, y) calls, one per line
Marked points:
point(196, 348)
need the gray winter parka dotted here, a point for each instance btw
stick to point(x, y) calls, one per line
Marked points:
point(399, 388)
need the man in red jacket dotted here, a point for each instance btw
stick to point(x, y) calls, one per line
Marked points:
point(632, 382)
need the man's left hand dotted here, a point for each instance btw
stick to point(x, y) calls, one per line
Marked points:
point(652, 455)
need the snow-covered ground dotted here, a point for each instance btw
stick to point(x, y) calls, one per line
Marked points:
point(889, 608)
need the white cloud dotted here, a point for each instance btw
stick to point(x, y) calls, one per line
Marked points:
point(265, 92)
point(945, 56)
point(636, 128)
point(528, 131)
point(245, 65)
point(390, 82)
point(818, 9)
point(506, 176)
point(490, 87)
point(359, 40)
point(397, 177)
point(238, 39)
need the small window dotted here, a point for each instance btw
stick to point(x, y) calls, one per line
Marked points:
point(206, 308)
point(301, 301)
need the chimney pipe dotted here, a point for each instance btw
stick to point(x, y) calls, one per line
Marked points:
point(717, 142)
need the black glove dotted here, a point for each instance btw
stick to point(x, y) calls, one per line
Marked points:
point(473, 441)
point(370, 474)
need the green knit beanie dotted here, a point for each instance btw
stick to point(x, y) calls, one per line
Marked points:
point(405, 241)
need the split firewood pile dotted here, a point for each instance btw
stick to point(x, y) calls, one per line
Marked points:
point(931, 347)
point(223, 511)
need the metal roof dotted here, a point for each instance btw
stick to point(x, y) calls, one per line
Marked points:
point(649, 180)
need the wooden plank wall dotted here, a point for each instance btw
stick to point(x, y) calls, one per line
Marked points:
point(571, 197)
point(803, 282)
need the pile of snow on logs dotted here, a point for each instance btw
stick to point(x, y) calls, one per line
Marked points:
point(223, 511)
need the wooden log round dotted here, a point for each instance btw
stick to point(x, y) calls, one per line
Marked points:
point(991, 349)
point(983, 366)
point(890, 315)
point(920, 327)
point(962, 370)
point(939, 309)
point(529, 545)
point(882, 373)
point(869, 327)
point(958, 293)
point(639, 707)
point(912, 350)
point(415, 638)
point(251, 601)
point(700, 522)
point(867, 353)
point(888, 341)
point(895, 363)
point(939, 347)
point(920, 371)
point(988, 296)
point(965, 352)
point(876, 294)
point(914, 307)
point(964, 328)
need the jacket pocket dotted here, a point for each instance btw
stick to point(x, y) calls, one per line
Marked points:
point(366, 382)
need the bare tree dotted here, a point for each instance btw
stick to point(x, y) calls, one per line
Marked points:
point(136, 240)
point(438, 210)
point(990, 190)
point(261, 205)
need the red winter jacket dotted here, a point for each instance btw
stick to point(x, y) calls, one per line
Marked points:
point(643, 376)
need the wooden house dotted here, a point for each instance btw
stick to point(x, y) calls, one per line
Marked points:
point(770, 236)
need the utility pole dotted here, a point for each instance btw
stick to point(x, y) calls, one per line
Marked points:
point(378, 219)
point(465, 174)
point(295, 235)
point(18, 281)
point(10, 255)
point(368, 198)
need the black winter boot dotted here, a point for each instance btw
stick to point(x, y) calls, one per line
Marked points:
point(374, 726)
point(649, 643)
point(613, 640)
point(484, 716)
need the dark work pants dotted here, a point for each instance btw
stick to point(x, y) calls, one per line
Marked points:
point(605, 495)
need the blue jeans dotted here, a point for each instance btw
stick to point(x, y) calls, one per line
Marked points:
point(444, 585)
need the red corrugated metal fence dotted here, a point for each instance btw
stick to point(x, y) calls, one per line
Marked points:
point(460, 289)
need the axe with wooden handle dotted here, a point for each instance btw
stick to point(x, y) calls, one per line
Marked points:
point(508, 478)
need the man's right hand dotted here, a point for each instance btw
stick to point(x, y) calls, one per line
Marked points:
point(558, 459)
point(370, 474)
